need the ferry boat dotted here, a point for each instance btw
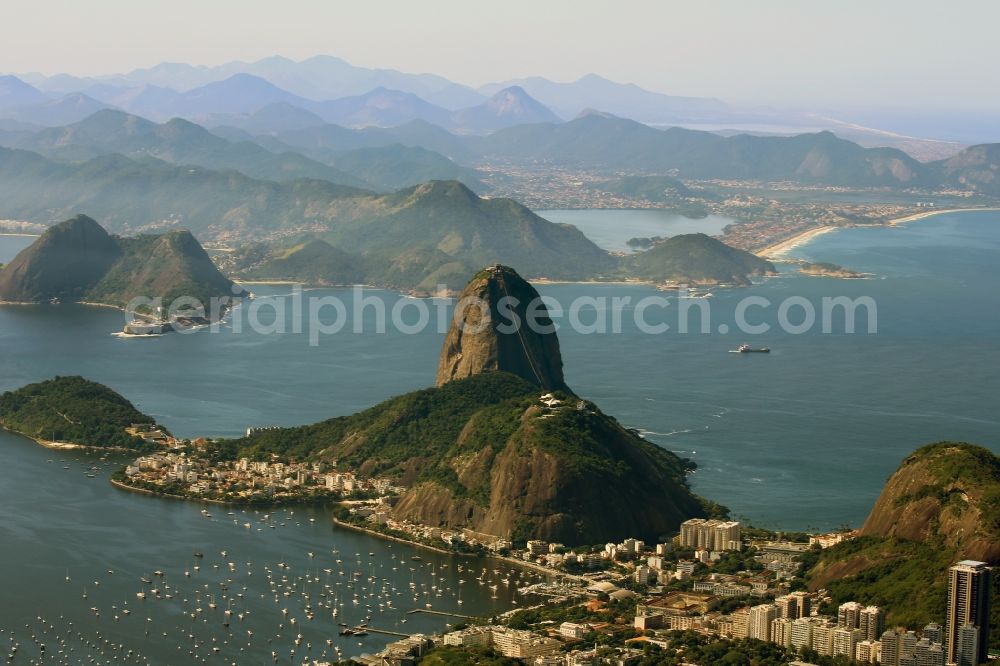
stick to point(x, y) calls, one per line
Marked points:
point(747, 349)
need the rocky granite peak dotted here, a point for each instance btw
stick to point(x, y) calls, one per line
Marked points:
point(492, 332)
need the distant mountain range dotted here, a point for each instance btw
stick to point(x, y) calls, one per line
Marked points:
point(606, 143)
point(333, 91)
point(232, 100)
point(320, 77)
point(15, 93)
point(385, 159)
point(623, 99)
point(107, 132)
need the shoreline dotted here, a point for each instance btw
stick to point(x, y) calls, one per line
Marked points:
point(65, 446)
point(442, 551)
point(143, 491)
point(779, 251)
point(931, 213)
point(390, 537)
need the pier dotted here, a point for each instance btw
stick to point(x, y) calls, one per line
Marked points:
point(442, 613)
point(385, 632)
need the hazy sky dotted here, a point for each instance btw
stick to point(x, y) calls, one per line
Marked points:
point(888, 53)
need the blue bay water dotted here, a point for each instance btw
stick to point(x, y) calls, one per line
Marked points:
point(803, 437)
point(612, 228)
point(800, 438)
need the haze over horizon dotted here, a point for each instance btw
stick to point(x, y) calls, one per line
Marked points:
point(851, 54)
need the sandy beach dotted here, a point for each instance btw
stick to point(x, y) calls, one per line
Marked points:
point(931, 213)
point(44, 442)
point(779, 251)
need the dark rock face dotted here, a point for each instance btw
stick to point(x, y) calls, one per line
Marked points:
point(65, 262)
point(491, 332)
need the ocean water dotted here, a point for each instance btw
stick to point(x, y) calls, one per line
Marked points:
point(803, 437)
point(612, 228)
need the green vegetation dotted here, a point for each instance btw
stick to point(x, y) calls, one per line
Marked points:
point(448, 655)
point(449, 444)
point(393, 167)
point(423, 424)
point(608, 144)
point(688, 647)
point(660, 189)
point(573, 612)
point(695, 258)
point(905, 577)
point(74, 410)
point(312, 262)
point(144, 193)
point(942, 505)
point(667, 191)
point(447, 247)
point(828, 269)
point(79, 260)
point(976, 468)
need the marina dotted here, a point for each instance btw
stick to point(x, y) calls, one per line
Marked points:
point(170, 581)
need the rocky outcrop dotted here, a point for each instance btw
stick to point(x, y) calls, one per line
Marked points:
point(947, 491)
point(65, 262)
point(551, 481)
point(501, 325)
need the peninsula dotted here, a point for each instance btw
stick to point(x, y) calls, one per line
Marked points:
point(70, 412)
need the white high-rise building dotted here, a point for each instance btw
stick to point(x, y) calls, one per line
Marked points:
point(871, 621)
point(781, 631)
point(713, 535)
point(822, 638)
point(845, 641)
point(761, 618)
point(849, 615)
point(868, 652)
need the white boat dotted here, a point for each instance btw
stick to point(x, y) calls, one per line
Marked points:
point(747, 349)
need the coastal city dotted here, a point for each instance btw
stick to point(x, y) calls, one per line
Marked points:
point(604, 604)
point(764, 213)
point(248, 482)
point(620, 604)
point(615, 603)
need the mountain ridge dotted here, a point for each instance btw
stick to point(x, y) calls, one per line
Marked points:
point(78, 260)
